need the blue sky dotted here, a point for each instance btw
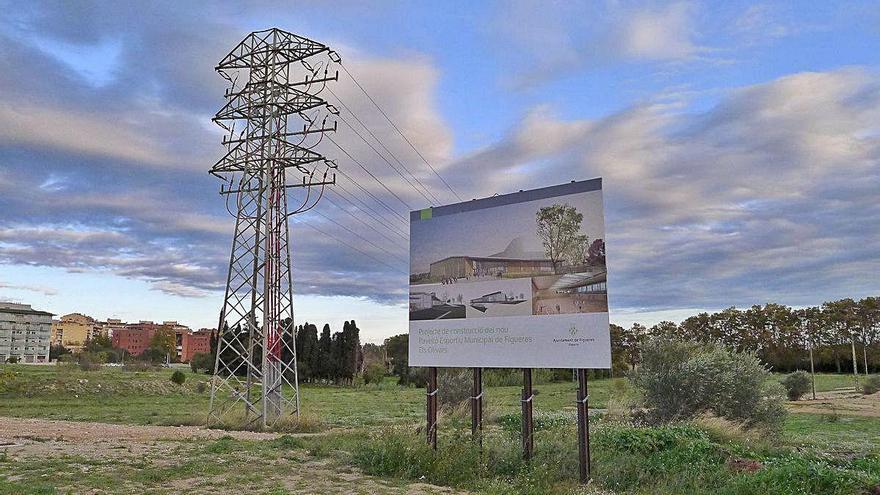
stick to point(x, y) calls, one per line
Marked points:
point(738, 142)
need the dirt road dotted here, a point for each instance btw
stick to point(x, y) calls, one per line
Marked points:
point(47, 456)
point(842, 401)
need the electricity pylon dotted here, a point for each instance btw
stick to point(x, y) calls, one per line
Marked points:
point(282, 75)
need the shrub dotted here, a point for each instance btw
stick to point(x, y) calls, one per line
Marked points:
point(153, 355)
point(374, 373)
point(178, 377)
point(201, 361)
point(12, 359)
point(455, 386)
point(871, 385)
point(680, 380)
point(88, 361)
point(8, 381)
point(796, 384)
point(139, 366)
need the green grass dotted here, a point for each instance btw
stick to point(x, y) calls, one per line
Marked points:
point(377, 432)
point(150, 398)
point(827, 381)
point(833, 433)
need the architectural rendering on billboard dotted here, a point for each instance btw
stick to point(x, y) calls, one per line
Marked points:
point(517, 280)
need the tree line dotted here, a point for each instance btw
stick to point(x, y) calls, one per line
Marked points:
point(330, 358)
point(842, 334)
point(336, 358)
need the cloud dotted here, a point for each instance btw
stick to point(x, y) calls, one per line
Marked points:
point(768, 195)
point(541, 44)
point(110, 175)
point(47, 291)
point(660, 34)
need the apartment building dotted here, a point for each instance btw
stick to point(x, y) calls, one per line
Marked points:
point(74, 330)
point(25, 333)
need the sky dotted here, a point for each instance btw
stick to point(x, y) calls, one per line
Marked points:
point(738, 143)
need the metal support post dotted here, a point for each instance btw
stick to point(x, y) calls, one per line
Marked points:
point(583, 419)
point(477, 407)
point(528, 440)
point(431, 408)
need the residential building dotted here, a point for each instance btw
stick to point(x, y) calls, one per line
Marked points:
point(111, 325)
point(195, 342)
point(25, 333)
point(137, 337)
point(73, 330)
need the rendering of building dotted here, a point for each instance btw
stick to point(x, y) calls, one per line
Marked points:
point(456, 267)
point(25, 333)
point(74, 329)
point(423, 300)
point(584, 292)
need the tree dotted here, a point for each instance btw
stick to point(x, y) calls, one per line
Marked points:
point(165, 341)
point(325, 366)
point(56, 351)
point(307, 355)
point(666, 330)
point(98, 343)
point(633, 340)
point(618, 352)
point(596, 253)
point(558, 228)
point(397, 349)
point(201, 361)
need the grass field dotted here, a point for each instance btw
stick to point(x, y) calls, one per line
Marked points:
point(373, 444)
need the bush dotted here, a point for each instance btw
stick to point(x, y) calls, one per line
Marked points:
point(153, 355)
point(374, 373)
point(178, 377)
point(201, 361)
point(871, 385)
point(417, 377)
point(796, 384)
point(139, 366)
point(680, 380)
point(12, 359)
point(88, 361)
point(455, 386)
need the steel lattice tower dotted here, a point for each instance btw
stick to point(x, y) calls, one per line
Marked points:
point(255, 365)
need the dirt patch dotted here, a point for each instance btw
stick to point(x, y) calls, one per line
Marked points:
point(77, 431)
point(95, 452)
point(842, 401)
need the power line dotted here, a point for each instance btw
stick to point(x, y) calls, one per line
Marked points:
point(398, 129)
point(359, 121)
point(396, 228)
point(368, 255)
point(359, 236)
point(361, 165)
point(368, 193)
point(416, 189)
point(360, 219)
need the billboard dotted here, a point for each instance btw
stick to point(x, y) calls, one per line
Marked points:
point(511, 281)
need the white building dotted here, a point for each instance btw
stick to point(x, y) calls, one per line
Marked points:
point(24, 333)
